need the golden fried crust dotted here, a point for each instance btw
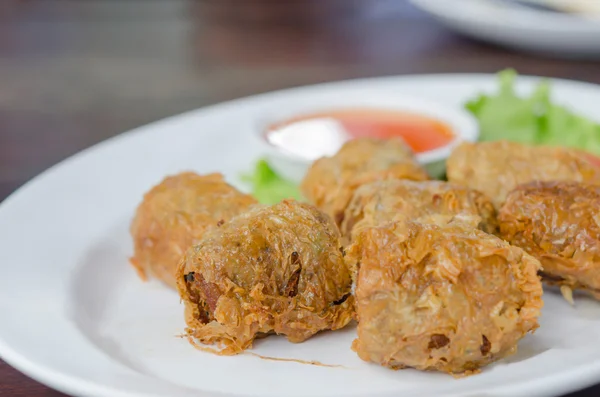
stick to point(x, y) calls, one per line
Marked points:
point(275, 269)
point(330, 182)
point(496, 168)
point(558, 223)
point(175, 214)
point(447, 298)
point(380, 202)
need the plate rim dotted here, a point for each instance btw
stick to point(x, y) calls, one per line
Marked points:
point(516, 17)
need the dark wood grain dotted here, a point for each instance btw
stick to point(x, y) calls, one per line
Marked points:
point(73, 73)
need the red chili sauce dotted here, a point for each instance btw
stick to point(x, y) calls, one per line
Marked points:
point(422, 133)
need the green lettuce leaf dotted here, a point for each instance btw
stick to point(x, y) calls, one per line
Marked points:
point(532, 120)
point(268, 187)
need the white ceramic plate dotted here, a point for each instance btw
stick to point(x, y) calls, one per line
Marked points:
point(74, 315)
point(512, 25)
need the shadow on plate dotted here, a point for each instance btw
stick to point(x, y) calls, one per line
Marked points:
point(528, 348)
point(102, 272)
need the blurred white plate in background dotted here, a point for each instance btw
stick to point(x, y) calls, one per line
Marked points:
point(582, 8)
point(75, 316)
point(507, 23)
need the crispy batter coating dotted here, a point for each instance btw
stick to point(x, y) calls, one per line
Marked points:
point(175, 214)
point(558, 223)
point(496, 168)
point(276, 269)
point(377, 203)
point(331, 181)
point(448, 298)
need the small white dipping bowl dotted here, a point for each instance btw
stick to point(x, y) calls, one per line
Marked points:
point(325, 140)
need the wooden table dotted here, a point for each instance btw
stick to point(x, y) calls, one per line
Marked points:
point(73, 73)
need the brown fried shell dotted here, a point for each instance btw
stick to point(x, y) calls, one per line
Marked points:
point(274, 269)
point(496, 168)
point(558, 223)
point(331, 181)
point(447, 298)
point(379, 202)
point(175, 214)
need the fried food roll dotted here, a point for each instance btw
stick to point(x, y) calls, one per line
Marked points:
point(175, 214)
point(448, 298)
point(274, 269)
point(330, 182)
point(558, 223)
point(377, 203)
point(496, 168)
